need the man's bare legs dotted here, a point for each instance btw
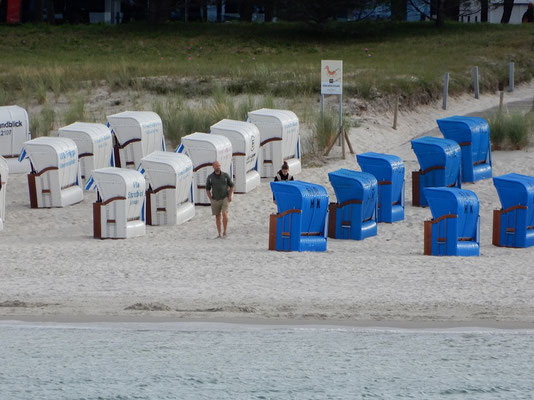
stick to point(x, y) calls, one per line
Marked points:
point(218, 222)
point(225, 222)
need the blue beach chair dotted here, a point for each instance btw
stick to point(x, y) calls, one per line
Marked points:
point(473, 136)
point(355, 213)
point(300, 224)
point(513, 225)
point(389, 172)
point(439, 161)
point(455, 227)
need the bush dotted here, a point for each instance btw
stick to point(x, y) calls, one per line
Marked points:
point(3, 97)
point(76, 111)
point(42, 124)
point(325, 129)
point(518, 131)
point(510, 130)
point(497, 130)
point(180, 119)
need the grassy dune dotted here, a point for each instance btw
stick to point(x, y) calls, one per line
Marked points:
point(213, 63)
point(279, 60)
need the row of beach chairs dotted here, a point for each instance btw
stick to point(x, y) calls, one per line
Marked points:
point(137, 181)
point(305, 218)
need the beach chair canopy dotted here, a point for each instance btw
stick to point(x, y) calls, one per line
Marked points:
point(310, 198)
point(278, 124)
point(244, 136)
point(120, 184)
point(165, 169)
point(354, 185)
point(92, 140)
point(385, 167)
point(516, 190)
point(53, 153)
point(468, 130)
point(473, 136)
point(460, 202)
point(14, 130)
point(203, 149)
point(146, 126)
point(436, 152)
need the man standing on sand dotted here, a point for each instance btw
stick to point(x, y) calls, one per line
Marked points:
point(219, 188)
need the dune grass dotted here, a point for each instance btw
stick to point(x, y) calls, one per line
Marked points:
point(43, 123)
point(76, 111)
point(325, 129)
point(511, 130)
point(281, 60)
point(180, 118)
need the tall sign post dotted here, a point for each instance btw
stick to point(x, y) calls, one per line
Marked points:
point(332, 84)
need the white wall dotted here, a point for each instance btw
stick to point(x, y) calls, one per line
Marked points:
point(494, 13)
point(109, 16)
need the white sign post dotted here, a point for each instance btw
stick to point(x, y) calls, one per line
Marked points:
point(332, 83)
point(331, 77)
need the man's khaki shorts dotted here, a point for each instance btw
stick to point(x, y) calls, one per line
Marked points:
point(218, 206)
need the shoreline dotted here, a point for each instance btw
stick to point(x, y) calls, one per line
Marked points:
point(267, 322)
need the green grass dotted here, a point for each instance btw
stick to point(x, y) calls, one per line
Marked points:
point(511, 131)
point(497, 130)
point(43, 123)
point(281, 60)
point(76, 111)
point(180, 119)
point(3, 96)
point(325, 129)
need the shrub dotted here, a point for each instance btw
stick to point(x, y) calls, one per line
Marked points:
point(325, 129)
point(76, 111)
point(48, 120)
point(518, 131)
point(243, 107)
point(180, 119)
point(42, 124)
point(510, 130)
point(497, 130)
point(3, 97)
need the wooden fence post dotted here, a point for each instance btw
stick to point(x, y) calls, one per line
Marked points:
point(475, 82)
point(396, 113)
point(445, 89)
point(511, 77)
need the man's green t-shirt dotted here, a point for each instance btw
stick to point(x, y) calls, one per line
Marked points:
point(219, 185)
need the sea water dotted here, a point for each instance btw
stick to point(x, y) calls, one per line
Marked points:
point(225, 361)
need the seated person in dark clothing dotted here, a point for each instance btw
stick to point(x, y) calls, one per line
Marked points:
point(283, 175)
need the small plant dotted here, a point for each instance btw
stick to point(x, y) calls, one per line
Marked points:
point(180, 119)
point(40, 90)
point(48, 120)
point(510, 130)
point(35, 126)
point(325, 129)
point(223, 106)
point(497, 130)
point(76, 111)
point(3, 97)
point(267, 102)
point(243, 107)
point(42, 124)
point(56, 82)
point(518, 131)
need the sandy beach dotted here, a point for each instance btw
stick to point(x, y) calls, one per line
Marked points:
point(52, 269)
